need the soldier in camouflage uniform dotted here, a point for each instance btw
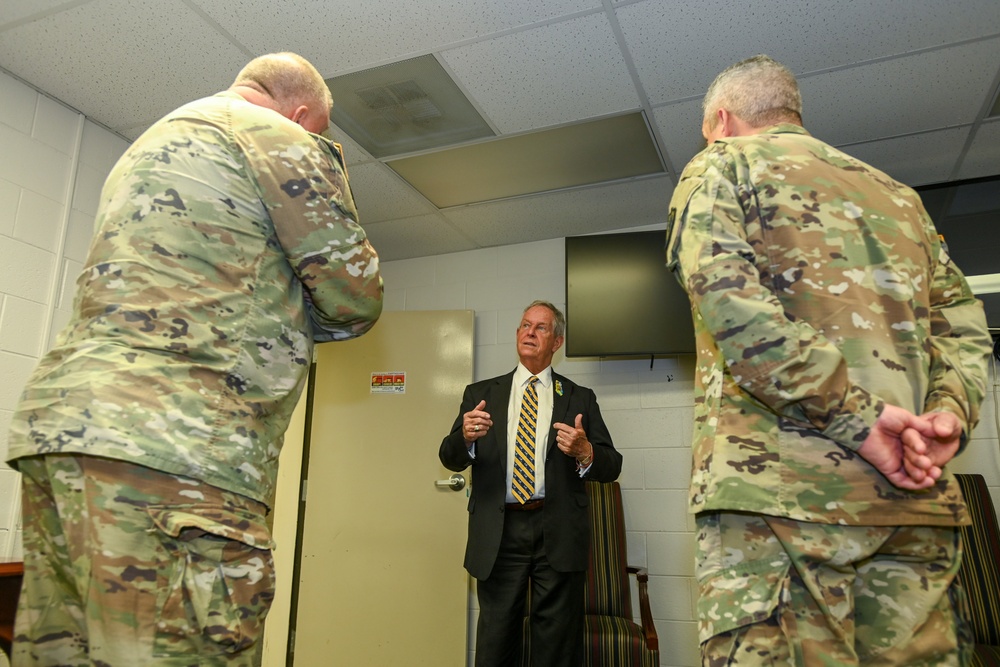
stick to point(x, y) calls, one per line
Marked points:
point(226, 244)
point(841, 364)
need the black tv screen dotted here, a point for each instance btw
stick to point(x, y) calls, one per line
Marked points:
point(621, 300)
point(966, 214)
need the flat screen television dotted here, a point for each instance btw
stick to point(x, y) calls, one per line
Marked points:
point(621, 300)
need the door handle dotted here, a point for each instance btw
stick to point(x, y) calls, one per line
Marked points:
point(456, 483)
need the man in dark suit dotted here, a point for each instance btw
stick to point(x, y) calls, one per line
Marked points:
point(528, 520)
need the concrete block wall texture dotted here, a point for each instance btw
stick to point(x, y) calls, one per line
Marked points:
point(55, 162)
point(648, 410)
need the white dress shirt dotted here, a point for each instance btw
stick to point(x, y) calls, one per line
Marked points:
point(542, 428)
point(544, 387)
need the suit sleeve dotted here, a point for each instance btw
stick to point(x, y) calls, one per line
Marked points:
point(607, 464)
point(454, 453)
point(303, 185)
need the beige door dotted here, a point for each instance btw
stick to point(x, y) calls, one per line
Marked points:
point(381, 579)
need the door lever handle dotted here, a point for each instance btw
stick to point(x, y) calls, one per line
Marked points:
point(456, 483)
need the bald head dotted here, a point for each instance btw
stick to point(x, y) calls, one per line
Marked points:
point(289, 84)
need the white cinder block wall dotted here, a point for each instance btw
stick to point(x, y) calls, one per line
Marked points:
point(648, 410)
point(54, 162)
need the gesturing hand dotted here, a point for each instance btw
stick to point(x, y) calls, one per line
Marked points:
point(476, 423)
point(572, 440)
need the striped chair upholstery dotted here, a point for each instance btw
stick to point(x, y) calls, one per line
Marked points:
point(980, 571)
point(613, 639)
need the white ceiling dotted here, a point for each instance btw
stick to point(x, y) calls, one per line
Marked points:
point(903, 84)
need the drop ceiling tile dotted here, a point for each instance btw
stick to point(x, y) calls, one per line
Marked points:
point(679, 125)
point(148, 72)
point(550, 75)
point(920, 159)
point(983, 158)
point(405, 107)
point(132, 132)
point(605, 150)
point(952, 85)
point(679, 47)
point(381, 195)
point(353, 153)
point(126, 63)
point(19, 10)
point(567, 213)
point(419, 236)
point(338, 37)
point(928, 157)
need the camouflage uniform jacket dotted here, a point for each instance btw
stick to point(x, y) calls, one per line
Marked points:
point(820, 291)
point(226, 243)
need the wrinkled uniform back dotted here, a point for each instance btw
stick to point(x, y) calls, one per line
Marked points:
point(190, 337)
point(820, 290)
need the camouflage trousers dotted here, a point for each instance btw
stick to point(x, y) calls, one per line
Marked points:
point(774, 591)
point(128, 566)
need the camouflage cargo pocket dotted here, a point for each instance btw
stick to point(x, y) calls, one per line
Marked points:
point(217, 592)
point(741, 571)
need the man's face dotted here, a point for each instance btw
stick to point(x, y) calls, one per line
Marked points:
point(536, 339)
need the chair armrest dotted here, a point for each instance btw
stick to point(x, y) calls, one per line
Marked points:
point(648, 629)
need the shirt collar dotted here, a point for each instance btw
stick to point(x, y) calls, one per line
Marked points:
point(521, 375)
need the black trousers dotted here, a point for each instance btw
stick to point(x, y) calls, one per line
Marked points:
point(557, 603)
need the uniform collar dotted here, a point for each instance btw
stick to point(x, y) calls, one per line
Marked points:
point(786, 128)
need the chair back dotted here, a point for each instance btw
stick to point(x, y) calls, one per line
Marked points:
point(607, 589)
point(980, 571)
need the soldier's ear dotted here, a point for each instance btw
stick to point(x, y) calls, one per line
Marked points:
point(299, 114)
point(725, 122)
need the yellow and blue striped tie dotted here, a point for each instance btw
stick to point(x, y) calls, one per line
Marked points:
point(524, 444)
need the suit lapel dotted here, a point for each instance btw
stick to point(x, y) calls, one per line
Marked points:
point(560, 406)
point(497, 405)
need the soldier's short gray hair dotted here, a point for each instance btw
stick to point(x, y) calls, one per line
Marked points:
point(560, 319)
point(288, 78)
point(759, 90)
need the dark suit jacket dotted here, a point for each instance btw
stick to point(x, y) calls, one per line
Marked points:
point(566, 525)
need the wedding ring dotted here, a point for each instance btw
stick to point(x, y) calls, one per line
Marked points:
point(476, 428)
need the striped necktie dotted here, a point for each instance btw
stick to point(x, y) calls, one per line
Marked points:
point(524, 446)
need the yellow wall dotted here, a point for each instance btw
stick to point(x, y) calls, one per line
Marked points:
point(284, 526)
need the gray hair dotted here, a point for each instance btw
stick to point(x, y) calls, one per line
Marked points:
point(288, 78)
point(759, 90)
point(560, 329)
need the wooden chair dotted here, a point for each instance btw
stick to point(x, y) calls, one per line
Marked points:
point(611, 636)
point(980, 571)
point(11, 573)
